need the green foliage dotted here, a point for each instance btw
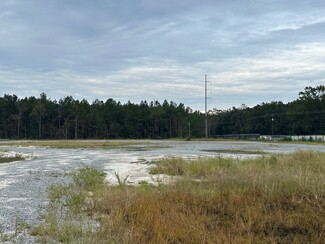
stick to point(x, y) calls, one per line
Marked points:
point(42, 118)
point(120, 181)
point(89, 178)
point(304, 116)
point(64, 221)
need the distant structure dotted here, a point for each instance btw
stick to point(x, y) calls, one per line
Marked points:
point(216, 111)
point(242, 107)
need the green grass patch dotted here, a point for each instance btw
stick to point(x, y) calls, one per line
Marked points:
point(68, 218)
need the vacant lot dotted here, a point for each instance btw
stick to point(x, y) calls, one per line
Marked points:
point(269, 199)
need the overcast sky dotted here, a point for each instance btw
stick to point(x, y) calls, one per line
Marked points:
point(253, 51)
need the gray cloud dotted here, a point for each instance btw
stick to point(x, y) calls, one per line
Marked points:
point(253, 51)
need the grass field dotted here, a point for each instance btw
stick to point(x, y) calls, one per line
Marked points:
point(73, 143)
point(270, 199)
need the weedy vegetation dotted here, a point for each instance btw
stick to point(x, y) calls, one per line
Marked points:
point(74, 144)
point(270, 199)
point(20, 228)
point(68, 218)
point(236, 151)
point(7, 159)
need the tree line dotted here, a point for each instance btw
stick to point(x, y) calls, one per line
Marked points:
point(69, 118)
point(304, 116)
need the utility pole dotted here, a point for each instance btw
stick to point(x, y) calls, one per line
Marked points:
point(189, 130)
point(206, 105)
point(272, 125)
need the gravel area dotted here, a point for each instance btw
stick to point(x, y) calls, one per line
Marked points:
point(23, 184)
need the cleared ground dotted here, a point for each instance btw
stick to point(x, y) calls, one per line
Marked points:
point(24, 184)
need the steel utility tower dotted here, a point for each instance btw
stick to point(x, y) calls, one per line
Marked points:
point(206, 105)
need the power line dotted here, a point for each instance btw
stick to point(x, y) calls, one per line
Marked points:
point(299, 61)
point(277, 115)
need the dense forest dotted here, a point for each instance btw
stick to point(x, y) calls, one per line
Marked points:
point(43, 118)
point(304, 116)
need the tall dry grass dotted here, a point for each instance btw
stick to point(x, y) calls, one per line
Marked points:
point(271, 199)
point(75, 144)
point(277, 199)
